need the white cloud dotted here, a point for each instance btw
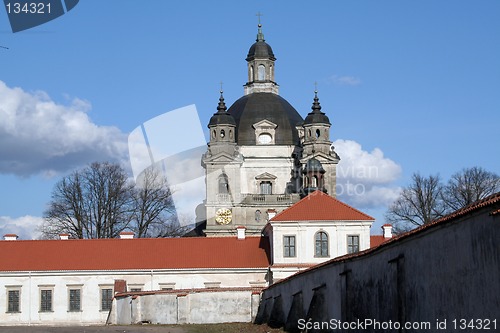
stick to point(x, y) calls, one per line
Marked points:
point(365, 179)
point(26, 227)
point(39, 136)
point(345, 80)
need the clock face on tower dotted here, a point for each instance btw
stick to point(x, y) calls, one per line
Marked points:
point(223, 216)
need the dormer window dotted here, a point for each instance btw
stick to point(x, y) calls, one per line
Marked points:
point(264, 132)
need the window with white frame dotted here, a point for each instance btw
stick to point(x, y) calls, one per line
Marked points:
point(106, 298)
point(352, 243)
point(321, 244)
point(288, 246)
point(46, 297)
point(13, 299)
point(75, 298)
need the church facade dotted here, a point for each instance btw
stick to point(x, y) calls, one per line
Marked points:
point(262, 156)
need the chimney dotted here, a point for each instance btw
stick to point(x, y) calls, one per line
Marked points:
point(126, 235)
point(10, 237)
point(387, 230)
point(64, 236)
point(241, 232)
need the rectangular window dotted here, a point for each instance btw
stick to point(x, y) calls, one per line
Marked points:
point(75, 303)
point(289, 246)
point(352, 244)
point(106, 299)
point(45, 300)
point(266, 188)
point(13, 298)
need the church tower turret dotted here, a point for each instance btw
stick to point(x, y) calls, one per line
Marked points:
point(222, 129)
point(318, 147)
point(260, 61)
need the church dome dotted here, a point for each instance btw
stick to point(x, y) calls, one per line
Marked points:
point(253, 108)
point(260, 49)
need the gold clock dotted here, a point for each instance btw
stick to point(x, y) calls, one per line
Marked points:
point(223, 216)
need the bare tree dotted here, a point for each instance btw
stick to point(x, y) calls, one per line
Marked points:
point(418, 204)
point(99, 201)
point(468, 186)
point(91, 203)
point(154, 208)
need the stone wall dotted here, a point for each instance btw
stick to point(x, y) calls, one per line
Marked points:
point(449, 270)
point(202, 306)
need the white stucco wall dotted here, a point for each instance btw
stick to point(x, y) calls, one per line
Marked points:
point(91, 282)
point(305, 232)
point(195, 307)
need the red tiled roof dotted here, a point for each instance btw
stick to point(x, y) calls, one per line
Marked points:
point(319, 206)
point(376, 240)
point(124, 254)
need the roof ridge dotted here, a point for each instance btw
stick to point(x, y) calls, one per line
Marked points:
point(320, 194)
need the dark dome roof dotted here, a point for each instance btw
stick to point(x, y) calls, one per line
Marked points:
point(316, 116)
point(252, 108)
point(221, 117)
point(313, 165)
point(260, 49)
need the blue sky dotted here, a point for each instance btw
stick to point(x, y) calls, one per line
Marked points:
point(409, 86)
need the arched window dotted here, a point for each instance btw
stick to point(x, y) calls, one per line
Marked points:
point(317, 133)
point(314, 181)
point(214, 134)
point(222, 133)
point(257, 215)
point(251, 74)
point(321, 244)
point(223, 184)
point(261, 73)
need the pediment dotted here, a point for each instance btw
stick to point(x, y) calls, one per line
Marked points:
point(265, 176)
point(220, 158)
point(265, 124)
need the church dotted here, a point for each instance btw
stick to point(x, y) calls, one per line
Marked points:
point(263, 156)
point(270, 208)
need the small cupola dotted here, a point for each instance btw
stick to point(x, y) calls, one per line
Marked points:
point(316, 116)
point(221, 117)
point(260, 59)
point(316, 130)
point(222, 124)
point(313, 177)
